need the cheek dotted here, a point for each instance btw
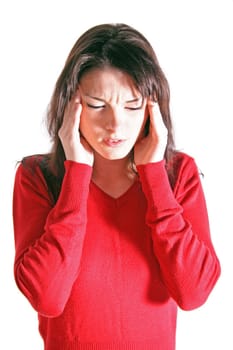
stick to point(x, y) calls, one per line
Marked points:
point(85, 126)
point(89, 127)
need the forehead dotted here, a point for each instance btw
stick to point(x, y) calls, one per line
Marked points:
point(107, 83)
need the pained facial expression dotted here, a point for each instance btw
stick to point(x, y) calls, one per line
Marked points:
point(113, 114)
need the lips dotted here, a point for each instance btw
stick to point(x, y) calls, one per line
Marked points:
point(113, 142)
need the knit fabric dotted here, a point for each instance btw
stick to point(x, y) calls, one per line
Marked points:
point(107, 273)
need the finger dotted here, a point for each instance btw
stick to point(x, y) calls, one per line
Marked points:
point(71, 121)
point(76, 106)
point(76, 113)
point(156, 120)
point(77, 97)
point(73, 110)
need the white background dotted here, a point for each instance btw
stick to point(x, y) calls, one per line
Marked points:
point(193, 41)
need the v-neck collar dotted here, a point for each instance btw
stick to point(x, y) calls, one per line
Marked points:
point(103, 196)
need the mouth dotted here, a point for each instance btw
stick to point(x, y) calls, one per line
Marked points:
point(113, 142)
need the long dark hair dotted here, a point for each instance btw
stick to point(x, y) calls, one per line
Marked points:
point(116, 45)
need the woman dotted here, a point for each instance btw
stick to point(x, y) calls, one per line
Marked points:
point(111, 227)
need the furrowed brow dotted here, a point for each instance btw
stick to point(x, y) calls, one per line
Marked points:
point(94, 98)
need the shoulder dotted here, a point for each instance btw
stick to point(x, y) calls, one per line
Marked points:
point(32, 162)
point(29, 168)
point(38, 168)
point(36, 164)
point(33, 175)
point(185, 170)
point(181, 160)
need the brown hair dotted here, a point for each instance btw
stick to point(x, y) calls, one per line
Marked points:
point(116, 45)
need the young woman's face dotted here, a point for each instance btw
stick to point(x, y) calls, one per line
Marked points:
point(113, 112)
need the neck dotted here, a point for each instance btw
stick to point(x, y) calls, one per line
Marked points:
point(111, 168)
point(113, 176)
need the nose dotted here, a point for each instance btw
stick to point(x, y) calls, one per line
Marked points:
point(114, 119)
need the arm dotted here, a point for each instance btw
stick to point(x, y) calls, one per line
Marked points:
point(180, 232)
point(49, 240)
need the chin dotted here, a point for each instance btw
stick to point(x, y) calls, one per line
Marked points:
point(114, 155)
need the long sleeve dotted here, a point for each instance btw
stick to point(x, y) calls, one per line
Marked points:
point(49, 239)
point(180, 232)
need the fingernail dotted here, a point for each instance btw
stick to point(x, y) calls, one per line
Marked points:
point(77, 97)
point(152, 102)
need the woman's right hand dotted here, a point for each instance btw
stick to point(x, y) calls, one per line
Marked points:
point(76, 148)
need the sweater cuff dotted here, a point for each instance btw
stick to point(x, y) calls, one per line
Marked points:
point(78, 168)
point(75, 185)
point(156, 186)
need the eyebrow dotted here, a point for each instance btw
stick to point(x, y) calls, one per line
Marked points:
point(134, 100)
point(99, 99)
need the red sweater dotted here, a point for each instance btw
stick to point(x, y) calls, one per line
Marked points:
point(107, 273)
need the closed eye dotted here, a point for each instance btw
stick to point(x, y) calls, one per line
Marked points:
point(133, 108)
point(136, 105)
point(95, 107)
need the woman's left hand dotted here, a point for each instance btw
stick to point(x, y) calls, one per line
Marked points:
point(151, 148)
